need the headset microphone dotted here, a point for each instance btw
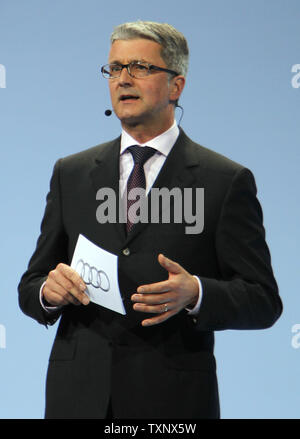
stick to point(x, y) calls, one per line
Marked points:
point(182, 112)
point(108, 112)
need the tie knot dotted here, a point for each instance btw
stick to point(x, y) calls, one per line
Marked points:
point(141, 154)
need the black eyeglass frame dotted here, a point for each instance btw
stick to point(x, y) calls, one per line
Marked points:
point(127, 66)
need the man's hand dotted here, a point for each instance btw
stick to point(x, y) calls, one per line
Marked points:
point(64, 286)
point(169, 297)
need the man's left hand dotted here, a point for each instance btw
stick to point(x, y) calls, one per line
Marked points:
point(168, 297)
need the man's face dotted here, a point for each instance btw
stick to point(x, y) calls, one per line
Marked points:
point(141, 101)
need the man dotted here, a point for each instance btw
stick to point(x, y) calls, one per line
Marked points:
point(178, 288)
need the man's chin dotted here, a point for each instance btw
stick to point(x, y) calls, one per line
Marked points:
point(130, 119)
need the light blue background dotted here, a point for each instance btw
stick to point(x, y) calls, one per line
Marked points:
point(238, 101)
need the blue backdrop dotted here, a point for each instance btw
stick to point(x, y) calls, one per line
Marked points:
point(241, 99)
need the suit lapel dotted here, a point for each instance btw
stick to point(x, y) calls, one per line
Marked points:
point(106, 174)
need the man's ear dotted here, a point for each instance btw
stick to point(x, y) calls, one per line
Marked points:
point(176, 86)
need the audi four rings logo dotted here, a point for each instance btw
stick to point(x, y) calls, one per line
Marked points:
point(92, 276)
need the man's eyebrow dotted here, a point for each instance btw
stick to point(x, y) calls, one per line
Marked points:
point(133, 60)
point(115, 62)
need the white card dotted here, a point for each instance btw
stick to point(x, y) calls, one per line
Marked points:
point(99, 270)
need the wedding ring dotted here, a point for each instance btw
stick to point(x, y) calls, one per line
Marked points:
point(166, 307)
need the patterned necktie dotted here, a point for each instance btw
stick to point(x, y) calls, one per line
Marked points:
point(137, 177)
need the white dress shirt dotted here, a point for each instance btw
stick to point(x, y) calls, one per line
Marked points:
point(163, 145)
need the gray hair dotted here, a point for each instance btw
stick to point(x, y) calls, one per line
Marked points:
point(174, 52)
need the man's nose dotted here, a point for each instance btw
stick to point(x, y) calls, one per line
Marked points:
point(124, 77)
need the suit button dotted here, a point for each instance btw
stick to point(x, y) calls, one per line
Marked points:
point(126, 251)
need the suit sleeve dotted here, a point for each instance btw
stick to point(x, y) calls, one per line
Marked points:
point(51, 249)
point(246, 294)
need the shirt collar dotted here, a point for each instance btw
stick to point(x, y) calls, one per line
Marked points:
point(162, 143)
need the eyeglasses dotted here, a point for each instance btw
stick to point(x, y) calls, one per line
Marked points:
point(136, 69)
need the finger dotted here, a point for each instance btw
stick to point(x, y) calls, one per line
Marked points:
point(72, 275)
point(56, 277)
point(80, 296)
point(55, 294)
point(66, 297)
point(151, 299)
point(169, 265)
point(78, 285)
point(152, 309)
point(157, 319)
point(57, 286)
point(157, 287)
point(54, 299)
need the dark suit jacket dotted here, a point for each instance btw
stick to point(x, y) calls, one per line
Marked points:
point(168, 370)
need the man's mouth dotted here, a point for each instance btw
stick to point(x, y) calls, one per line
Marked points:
point(128, 97)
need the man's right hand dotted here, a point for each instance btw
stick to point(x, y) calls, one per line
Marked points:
point(64, 286)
